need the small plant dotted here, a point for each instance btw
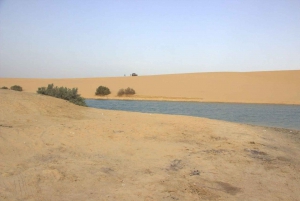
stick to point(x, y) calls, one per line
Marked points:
point(4, 87)
point(16, 88)
point(102, 91)
point(65, 93)
point(128, 91)
point(121, 92)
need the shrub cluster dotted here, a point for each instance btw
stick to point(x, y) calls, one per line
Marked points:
point(121, 92)
point(4, 87)
point(63, 93)
point(128, 91)
point(102, 91)
point(16, 88)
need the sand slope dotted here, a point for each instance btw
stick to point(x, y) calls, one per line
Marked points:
point(280, 87)
point(53, 150)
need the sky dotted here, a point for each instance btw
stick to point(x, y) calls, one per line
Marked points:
point(110, 38)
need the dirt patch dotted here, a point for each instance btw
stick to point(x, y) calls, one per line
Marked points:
point(228, 188)
point(216, 151)
point(175, 165)
point(258, 154)
point(203, 192)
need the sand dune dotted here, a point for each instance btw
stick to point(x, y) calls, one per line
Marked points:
point(53, 150)
point(279, 87)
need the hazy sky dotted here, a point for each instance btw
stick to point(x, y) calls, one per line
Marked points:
point(97, 38)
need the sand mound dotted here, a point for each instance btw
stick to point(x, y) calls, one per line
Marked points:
point(53, 150)
point(280, 87)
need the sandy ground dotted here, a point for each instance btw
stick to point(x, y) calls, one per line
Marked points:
point(279, 87)
point(53, 150)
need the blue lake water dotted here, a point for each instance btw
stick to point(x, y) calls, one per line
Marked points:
point(282, 116)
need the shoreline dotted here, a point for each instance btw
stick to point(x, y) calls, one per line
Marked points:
point(295, 128)
point(165, 99)
point(283, 129)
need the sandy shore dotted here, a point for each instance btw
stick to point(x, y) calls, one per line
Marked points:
point(278, 87)
point(53, 150)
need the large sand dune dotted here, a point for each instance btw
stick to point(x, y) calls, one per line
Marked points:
point(279, 87)
point(53, 150)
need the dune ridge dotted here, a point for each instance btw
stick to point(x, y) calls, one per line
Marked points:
point(273, 87)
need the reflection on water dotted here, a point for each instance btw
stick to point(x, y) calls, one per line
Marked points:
point(284, 116)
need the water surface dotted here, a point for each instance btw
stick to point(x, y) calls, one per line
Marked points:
point(282, 116)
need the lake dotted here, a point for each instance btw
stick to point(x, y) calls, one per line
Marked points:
point(282, 116)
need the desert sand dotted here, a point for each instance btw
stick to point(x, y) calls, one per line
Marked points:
point(277, 87)
point(53, 150)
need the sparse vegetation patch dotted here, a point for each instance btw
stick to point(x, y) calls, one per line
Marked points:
point(63, 93)
point(102, 91)
point(4, 87)
point(16, 88)
point(121, 92)
point(127, 91)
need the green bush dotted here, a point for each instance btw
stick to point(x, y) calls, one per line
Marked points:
point(121, 92)
point(16, 88)
point(102, 91)
point(128, 91)
point(4, 87)
point(65, 93)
